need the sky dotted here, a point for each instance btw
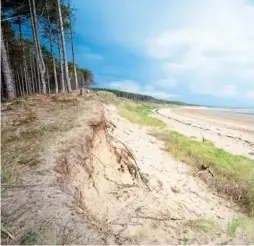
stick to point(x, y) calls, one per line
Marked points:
point(195, 51)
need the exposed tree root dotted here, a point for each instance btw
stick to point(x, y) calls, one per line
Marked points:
point(133, 158)
point(155, 218)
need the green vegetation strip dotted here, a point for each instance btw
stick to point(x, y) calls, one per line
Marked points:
point(140, 115)
point(234, 174)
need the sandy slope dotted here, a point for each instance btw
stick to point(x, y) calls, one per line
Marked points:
point(88, 189)
point(233, 134)
point(175, 194)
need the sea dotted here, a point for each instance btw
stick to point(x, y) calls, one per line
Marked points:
point(249, 113)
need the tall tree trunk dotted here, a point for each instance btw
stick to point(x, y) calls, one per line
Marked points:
point(6, 70)
point(73, 50)
point(52, 52)
point(82, 87)
point(7, 51)
point(19, 84)
point(23, 79)
point(23, 82)
point(66, 72)
point(38, 77)
point(48, 81)
point(35, 76)
point(27, 81)
point(39, 56)
point(60, 63)
point(32, 75)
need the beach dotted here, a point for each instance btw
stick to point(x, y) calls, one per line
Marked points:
point(229, 129)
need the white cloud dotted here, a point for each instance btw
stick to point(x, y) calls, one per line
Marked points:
point(134, 87)
point(215, 55)
point(174, 66)
point(192, 47)
point(166, 83)
point(226, 91)
point(159, 94)
point(250, 73)
point(125, 85)
point(250, 94)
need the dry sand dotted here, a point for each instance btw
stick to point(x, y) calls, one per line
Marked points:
point(114, 184)
point(232, 133)
point(175, 194)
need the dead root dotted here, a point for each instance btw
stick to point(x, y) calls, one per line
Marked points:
point(136, 168)
point(122, 155)
point(101, 226)
point(155, 218)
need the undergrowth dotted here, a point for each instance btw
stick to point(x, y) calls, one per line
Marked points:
point(26, 124)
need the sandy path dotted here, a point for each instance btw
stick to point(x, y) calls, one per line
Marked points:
point(174, 192)
point(230, 133)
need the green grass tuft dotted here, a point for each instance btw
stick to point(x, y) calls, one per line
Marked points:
point(140, 115)
point(241, 226)
point(205, 226)
point(5, 176)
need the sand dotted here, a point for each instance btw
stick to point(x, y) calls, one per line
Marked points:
point(232, 133)
point(175, 194)
point(108, 181)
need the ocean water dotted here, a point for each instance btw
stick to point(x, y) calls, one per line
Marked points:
point(249, 113)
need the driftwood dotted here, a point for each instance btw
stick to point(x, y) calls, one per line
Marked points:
point(205, 169)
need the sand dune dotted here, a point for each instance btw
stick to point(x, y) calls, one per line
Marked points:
point(105, 180)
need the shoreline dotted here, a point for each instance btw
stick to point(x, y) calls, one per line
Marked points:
point(234, 134)
point(229, 121)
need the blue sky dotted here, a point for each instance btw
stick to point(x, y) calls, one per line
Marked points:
point(197, 51)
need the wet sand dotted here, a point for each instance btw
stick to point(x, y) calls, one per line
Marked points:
point(232, 133)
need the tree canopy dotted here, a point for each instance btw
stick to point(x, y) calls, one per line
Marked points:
point(139, 97)
point(35, 36)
